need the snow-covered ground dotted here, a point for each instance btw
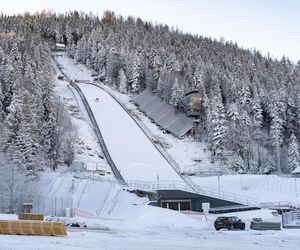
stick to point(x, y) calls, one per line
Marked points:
point(127, 222)
point(155, 228)
point(132, 152)
point(265, 188)
point(87, 148)
point(191, 157)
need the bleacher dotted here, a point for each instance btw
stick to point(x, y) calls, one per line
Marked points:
point(163, 114)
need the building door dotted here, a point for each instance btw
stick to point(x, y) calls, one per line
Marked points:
point(185, 205)
point(177, 205)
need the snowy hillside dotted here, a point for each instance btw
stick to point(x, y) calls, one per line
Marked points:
point(86, 145)
point(192, 157)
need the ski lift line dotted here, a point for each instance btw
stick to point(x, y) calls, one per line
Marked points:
point(99, 135)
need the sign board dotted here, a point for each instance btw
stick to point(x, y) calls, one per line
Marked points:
point(205, 207)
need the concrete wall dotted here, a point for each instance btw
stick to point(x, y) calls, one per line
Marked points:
point(196, 199)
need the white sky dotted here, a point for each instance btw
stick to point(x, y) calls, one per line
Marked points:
point(267, 25)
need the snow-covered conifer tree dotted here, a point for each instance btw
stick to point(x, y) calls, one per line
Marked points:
point(293, 153)
point(122, 82)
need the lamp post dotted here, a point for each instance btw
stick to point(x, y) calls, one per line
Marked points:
point(72, 200)
point(219, 187)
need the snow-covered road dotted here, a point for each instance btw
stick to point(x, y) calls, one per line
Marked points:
point(131, 150)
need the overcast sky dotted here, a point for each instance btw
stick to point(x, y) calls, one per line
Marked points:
point(268, 25)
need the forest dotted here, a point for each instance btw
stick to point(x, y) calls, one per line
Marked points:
point(250, 111)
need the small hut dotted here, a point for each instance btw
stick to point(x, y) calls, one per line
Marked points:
point(60, 47)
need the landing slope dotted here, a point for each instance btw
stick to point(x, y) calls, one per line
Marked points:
point(131, 150)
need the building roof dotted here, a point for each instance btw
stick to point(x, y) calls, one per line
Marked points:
point(163, 114)
point(60, 45)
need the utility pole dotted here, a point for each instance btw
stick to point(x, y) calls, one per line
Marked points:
point(277, 149)
point(219, 187)
point(72, 200)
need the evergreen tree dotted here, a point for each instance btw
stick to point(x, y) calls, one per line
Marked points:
point(177, 93)
point(293, 153)
point(122, 82)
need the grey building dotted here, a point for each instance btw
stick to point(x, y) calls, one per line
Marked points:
point(182, 200)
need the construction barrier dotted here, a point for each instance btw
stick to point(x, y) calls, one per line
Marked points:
point(263, 225)
point(46, 228)
point(25, 216)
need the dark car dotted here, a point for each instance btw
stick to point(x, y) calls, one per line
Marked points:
point(230, 222)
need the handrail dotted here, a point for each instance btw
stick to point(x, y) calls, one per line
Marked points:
point(99, 135)
point(289, 204)
point(169, 185)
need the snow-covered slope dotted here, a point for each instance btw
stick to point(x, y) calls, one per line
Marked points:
point(192, 157)
point(87, 148)
point(131, 150)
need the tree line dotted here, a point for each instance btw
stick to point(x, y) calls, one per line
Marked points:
point(250, 102)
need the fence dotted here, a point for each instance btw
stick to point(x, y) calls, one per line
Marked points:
point(55, 206)
point(167, 185)
point(291, 219)
point(100, 167)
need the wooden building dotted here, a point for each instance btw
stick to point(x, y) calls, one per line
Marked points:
point(191, 103)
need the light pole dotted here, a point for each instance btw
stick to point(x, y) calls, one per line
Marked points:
point(296, 187)
point(278, 163)
point(219, 187)
point(72, 200)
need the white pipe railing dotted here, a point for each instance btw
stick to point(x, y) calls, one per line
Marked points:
point(171, 185)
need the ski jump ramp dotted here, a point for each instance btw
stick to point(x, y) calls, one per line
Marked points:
point(132, 152)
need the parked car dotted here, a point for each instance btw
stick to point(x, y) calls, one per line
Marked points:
point(230, 222)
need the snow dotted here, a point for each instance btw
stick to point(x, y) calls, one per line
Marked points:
point(191, 157)
point(125, 219)
point(156, 228)
point(296, 170)
point(85, 135)
point(131, 150)
point(265, 188)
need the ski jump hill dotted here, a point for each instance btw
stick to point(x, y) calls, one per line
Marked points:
point(134, 158)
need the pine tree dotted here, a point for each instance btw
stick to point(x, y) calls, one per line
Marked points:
point(122, 82)
point(133, 72)
point(217, 127)
point(177, 93)
point(293, 153)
